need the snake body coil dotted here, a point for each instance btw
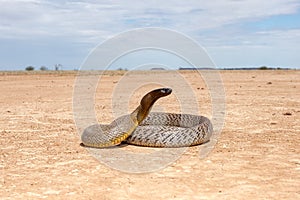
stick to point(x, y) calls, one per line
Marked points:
point(150, 129)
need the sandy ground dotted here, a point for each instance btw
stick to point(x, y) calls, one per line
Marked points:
point(257, 155)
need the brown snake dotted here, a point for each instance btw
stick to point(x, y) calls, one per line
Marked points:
point(150, 129)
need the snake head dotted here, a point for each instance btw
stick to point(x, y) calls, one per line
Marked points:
point(165, 91)
point(148, 100)
point(154, 95)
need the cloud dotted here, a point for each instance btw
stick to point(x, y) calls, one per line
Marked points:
point(215, 24)
point(101, 19)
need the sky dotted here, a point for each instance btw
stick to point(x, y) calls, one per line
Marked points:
point(235, 33)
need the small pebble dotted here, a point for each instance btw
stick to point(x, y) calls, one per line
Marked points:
point(287, 113)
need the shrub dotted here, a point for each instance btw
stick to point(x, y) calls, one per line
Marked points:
point(43, 68)
point(29, 68)
point(263, 68)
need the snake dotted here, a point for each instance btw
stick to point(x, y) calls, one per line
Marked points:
point(150, 129)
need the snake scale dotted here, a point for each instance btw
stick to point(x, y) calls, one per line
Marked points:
point(154, 129)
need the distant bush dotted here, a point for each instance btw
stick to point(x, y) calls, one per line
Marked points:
point(263, 68)
point(57, 67)
point(121, 69)
point(29, 68)
point(43, 68)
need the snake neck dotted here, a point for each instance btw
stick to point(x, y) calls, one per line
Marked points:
point(142, 111)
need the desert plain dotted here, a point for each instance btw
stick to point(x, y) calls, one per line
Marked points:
point(256, 155)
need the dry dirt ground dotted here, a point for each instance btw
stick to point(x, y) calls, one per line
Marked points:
point(257, 155)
